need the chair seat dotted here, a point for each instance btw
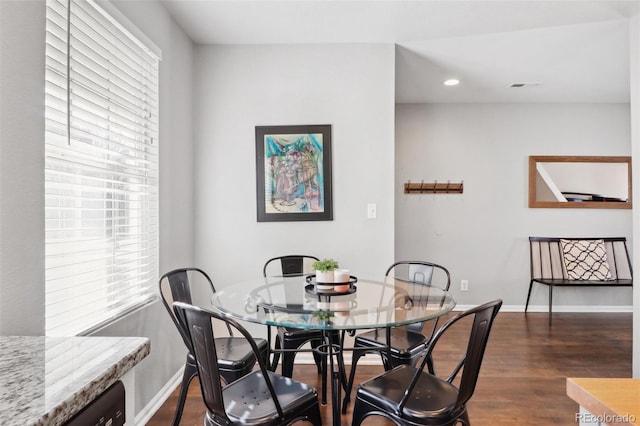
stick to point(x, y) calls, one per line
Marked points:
point(299, 333)
point(432, 401)
point(235, 352)
point(248, 401)
point(404, 343)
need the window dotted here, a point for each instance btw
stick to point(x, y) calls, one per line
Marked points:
point(101, 168)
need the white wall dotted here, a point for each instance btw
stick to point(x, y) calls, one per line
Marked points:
point(481, 235)
point(22, 167)
point(22, 180)
point(634, 60)
point(350, 87)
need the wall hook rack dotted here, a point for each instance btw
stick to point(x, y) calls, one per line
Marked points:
point(435, 187)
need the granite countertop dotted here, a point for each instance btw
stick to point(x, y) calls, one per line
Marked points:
point(46, 380)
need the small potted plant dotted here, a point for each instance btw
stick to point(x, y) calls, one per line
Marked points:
point(323, 317)
point(324, 270)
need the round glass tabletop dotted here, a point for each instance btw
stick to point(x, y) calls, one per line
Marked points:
point(299, 302)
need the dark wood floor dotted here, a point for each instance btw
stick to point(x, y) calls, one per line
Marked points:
point(522, 381)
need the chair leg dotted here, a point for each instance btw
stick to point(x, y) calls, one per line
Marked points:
point(355, 356)
point(288, 357)
point(323, 371)
point(318, 358)
point(287, 364)
point(342, 368)
point(268, 361)
point(190, 371)
point(526, 306)
point(386, 362)
point(550, 302)
point(313, 415)
point(464, 418)
point(361, 410)
point(276, 355)
point(266, 355)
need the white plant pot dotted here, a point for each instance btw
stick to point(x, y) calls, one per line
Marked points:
point(324, 277)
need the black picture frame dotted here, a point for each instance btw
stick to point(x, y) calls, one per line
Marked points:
point(293, 173)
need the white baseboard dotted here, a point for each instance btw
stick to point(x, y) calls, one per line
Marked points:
point(369, 359)
point(559, 308)
point(143, 417)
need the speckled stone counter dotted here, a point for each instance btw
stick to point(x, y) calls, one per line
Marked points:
point(46, 380)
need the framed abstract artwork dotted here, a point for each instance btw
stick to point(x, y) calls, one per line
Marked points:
point(293, 173)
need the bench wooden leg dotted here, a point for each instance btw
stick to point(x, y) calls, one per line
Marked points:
point(528, 296)
point(550, 302)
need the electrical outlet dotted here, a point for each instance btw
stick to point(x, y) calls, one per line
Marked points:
point(464, 285)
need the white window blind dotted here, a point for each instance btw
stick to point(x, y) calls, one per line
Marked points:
point(101, 169)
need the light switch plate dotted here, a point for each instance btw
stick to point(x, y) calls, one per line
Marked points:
point(372, 211)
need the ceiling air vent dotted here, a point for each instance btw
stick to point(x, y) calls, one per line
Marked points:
point(529, 84)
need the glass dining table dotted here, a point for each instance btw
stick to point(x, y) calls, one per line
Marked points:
point(300, 302)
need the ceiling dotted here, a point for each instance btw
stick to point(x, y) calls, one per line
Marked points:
point(566, 50)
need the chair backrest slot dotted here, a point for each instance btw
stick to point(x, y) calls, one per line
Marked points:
point(418, 271)
point(289, 265)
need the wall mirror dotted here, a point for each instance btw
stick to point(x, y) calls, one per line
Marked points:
point(580, 182)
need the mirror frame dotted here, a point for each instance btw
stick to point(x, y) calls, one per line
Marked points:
point(533, 203)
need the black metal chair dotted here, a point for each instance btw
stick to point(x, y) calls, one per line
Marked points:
point(258, 398)
point(286, 338)
point(236, 356)
point(407, 343)
point(408, 395)
point(289, 340)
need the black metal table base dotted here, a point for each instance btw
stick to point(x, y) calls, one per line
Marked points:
point(333, 352)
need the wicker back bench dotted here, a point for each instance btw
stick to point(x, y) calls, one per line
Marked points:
point(579, 262)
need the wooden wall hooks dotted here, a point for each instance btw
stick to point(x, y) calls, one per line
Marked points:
point(433, 187)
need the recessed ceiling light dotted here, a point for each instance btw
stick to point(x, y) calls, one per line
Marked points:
point(451, 82)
